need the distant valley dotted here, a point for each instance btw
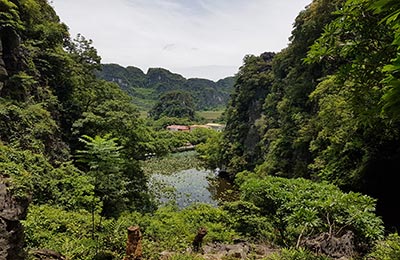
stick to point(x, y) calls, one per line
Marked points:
point(146, 88)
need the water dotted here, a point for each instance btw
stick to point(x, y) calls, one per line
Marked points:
point(191, 186)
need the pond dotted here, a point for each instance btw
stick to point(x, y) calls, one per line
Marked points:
point(191, 186)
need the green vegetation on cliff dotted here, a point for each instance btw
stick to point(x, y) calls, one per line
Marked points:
point(146, 89)
point(326, 104)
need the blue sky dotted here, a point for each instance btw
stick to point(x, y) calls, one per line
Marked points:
point(195, 38)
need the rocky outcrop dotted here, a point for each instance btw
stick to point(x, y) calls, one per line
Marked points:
point(11, 60)
point(46, 254)
point(12, 210)
point(239, 250)
point(336, 247)
point(10, 43)
point(3, 71)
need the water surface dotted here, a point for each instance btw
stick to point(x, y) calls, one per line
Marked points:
point(191, 186)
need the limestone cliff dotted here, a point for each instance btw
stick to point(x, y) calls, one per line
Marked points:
point(3, 71)
point(12, 210)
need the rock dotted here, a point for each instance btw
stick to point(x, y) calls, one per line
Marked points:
point(336, 247)
point(46, 254)
point(12, 210)
point(165, 255)
point(239, 250)
point(3, 71)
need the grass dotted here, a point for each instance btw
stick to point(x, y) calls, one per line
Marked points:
point(211, 115)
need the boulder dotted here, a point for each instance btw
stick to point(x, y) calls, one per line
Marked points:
point(342, 247)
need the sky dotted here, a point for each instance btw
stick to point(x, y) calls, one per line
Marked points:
point(195, 38)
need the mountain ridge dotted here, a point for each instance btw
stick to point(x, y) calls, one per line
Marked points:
point(146, 88)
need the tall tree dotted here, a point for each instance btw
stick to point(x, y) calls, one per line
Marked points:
point(105, 165)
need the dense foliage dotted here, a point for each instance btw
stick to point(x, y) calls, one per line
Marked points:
point(242, 136)
point(387, 249)
point(70, 232)
point(174, 104)
point(49, 98)
point(327, 104)
point(281, 211)
point(302, 208)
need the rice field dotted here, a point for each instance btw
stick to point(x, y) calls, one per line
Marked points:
point(211, 115)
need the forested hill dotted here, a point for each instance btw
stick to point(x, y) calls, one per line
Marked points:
point(147, 88)
point(327, 107)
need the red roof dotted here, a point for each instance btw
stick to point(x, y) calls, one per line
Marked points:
point(178, 127)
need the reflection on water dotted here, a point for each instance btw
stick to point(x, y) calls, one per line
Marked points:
point(191, 186)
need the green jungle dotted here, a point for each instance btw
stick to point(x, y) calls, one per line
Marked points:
point(311, 144)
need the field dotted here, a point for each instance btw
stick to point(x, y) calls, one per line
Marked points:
point(211, 115)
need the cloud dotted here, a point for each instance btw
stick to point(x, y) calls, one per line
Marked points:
point(165, 33)
point(169, 47)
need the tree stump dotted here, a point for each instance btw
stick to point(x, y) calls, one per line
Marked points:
point(134, 244)
point(198, 240)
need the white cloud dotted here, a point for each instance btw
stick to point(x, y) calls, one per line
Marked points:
point(182, 35)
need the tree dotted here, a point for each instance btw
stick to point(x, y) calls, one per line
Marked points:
point(174, 104)
point(391, 10)
point(105, 165)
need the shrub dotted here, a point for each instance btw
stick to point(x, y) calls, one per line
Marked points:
point(248, 221)
point(388, 249)
point(300, 207)
point(69, 233)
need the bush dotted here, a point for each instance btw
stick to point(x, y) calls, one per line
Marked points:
point(174, 230)
point(64, 186)
point(300, 207)
point(69, 233)
point(248, 221)
point(388, 249)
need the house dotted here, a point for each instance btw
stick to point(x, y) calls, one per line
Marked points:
point(216, 127)
point(182, 128)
